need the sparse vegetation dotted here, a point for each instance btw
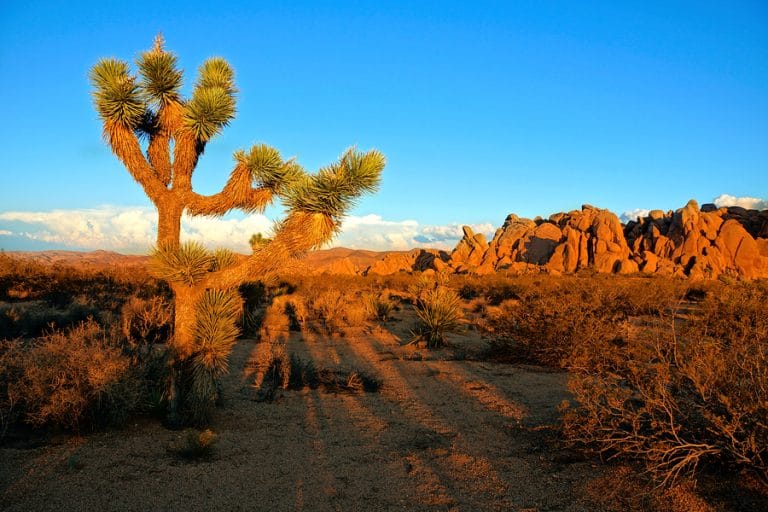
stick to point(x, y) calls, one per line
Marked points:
point(666, 376)
point(378, 306)
point(275, 369)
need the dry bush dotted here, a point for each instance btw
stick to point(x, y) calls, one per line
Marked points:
point(681, 396)
point(338, 311)
point(70, 379)
point(355, 313)
point(146, 321)
point(329, 306)
point(553, 315)
point(271, 367)
point(296, 311)
point(548, 320)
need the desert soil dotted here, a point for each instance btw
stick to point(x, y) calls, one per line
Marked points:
point(441, 434)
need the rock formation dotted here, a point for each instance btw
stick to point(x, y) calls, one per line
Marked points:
point(700, 243)
point(704, 242)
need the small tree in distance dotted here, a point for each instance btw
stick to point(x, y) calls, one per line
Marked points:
point(159, 135)
point(258, 241)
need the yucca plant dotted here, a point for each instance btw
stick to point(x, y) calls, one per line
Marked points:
point(439, 311)
point(159, 136)
point(378, 306)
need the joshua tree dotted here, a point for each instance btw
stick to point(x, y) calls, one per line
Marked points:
point(159, 135)
point(258, 241)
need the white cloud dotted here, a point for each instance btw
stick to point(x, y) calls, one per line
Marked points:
point(456, 231)
point(374, 233)
point(751, 203)
point(634, 214)
point(134, 230)
point(126, 229)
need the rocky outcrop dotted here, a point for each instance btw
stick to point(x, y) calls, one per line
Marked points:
point(698, 242)
point(704, 242)
point(469, 251)
point(566, 242)
point(411, 261)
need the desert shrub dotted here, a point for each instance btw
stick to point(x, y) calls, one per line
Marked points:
point(296, 311)
point(439, 310)
point(272, 367)
point(254, 296)
point(548, 321)
point(329, 306)
point(193, 444)
point(71, 379)
point(683, 395)
point(337, 311)
point(331, 379)
point(355, 314)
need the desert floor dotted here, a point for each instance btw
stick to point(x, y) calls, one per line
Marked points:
point(443, 433)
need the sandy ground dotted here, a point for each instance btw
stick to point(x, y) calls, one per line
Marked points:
point(439, 435)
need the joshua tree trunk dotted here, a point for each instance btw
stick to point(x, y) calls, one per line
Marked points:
point(169, 223)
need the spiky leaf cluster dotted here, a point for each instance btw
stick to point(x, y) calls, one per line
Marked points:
point(160, 77)
point(439, 311)
point(221, 259)
point(268, 168)
point(334, 189)
point(117, 96)
point(188, 264)
point(122, 97)
point(212, 106)
point(215, 330)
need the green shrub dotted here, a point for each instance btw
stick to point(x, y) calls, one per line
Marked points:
point(378, 306)
point(439, 311)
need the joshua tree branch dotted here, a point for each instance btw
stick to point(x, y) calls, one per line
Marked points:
point(166, 123)
point(299, 232)
point(238, 192)
point(126, 147)
point(186, 151)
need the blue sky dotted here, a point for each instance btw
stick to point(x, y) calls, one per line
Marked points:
point(482, 108)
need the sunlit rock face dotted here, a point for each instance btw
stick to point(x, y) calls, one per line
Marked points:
point(704, 242)
point(697, 242)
